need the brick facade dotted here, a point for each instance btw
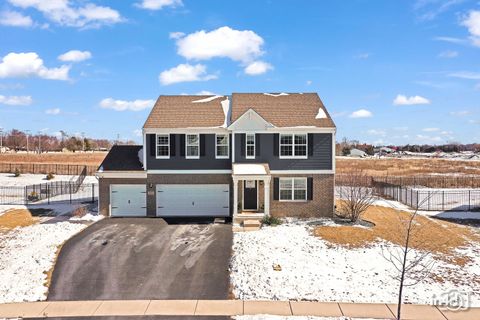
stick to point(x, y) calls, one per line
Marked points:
point(322, 204)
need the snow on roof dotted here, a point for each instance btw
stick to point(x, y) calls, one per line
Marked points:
point(226, 111)
point(253, 169)
point(276, 94)
point(207, 99)
point(140, 156)
point(321, 114)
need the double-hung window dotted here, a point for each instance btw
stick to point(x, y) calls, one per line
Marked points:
point(192, 145)
point(250, 145)
point(293, 189)
point(221, 146)
point(293, 146)
point(163, 146)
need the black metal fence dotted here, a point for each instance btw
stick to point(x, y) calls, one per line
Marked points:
point(66, 191)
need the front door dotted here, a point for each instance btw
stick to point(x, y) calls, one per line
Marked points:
point(250, 195)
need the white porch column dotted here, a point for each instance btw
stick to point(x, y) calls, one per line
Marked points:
point(266, 188)
point(235, 196)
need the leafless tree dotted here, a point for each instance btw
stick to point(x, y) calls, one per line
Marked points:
point(412, 265)
point(357, 195)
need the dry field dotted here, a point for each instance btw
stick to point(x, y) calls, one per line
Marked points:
point(79, 158)
point(408, 167)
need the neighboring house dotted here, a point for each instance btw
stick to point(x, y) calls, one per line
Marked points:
point(357, 153)
point(219, 156)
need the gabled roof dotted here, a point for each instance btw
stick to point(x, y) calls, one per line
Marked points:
point(122, 158)
point(187, 112)
point(282, 109)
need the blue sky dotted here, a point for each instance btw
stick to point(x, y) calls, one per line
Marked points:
point(388, 71)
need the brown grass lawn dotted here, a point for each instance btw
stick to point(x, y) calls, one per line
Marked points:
point(437, 236)
point(407, 167)
point(21, 218)
point(87, 158)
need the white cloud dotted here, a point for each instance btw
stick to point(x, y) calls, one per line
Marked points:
point(308, 82)
point(239, 45)
point(137, 132)
point(122, 105)
point(15, 19)
point(75, 56)
point(185, 73)
point(428, 139)
point(23, 65)
point(402, 100)
point(377, 132)
point(159, 4)
point(16, 100)
point(258, 67)
point(465, 75)
point(53, 111)
point(205, 93)
point(430, 129)
point(62, 12)
point(449, 54)
point(362, 113)
point(176, 35)
point(472, 22)
point(362, 56)
point(461, 113)
point(450, 40)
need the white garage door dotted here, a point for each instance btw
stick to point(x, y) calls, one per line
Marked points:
point(174, 200)
point(128, 200)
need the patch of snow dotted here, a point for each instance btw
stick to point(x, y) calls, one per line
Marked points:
point(59, 208)
point(276, 94)
point(461, 215)
point(272, 317)
point(140, 156)
point(25, 179)
point(226, 106)
point(207, 99)
point(249, 169)
point(321, 114)
point(26, 254)
point(314, 269)
point(88, 217)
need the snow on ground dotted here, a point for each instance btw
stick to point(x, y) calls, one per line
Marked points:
point(313, 269)
point(26, 254)
point(8, 179)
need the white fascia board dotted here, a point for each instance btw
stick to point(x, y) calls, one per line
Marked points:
point(280, 172)
point(189, 171)
point(122, 174)
point(202, 130)
point(291, 130)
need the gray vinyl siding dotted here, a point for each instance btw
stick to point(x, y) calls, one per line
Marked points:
point(320, 160)
point(178, 162)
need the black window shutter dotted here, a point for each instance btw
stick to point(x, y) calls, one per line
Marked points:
point(275, 144)
point(153, 145)
point(276, 188)
point(243, 141)
point(257, 145)
point(202, 145)
point(310, 188)
point(310, 144)
point(172, 145)
point(182, 145)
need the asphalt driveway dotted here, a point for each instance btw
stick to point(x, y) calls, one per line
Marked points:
point(141, 258)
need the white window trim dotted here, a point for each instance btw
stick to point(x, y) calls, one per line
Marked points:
point(293, 146)
point(186, 146)
point(216, 146)
point(157, 145)
point(293, 190)
point(254, 146)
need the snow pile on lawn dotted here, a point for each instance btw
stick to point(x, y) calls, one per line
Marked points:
point(88, 217)
point(26, 254)
point(25, 179)
point(313, 269)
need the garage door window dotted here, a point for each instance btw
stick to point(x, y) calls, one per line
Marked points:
point(163, 146)
point(193, 146)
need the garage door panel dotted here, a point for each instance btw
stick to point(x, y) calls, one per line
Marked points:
point(128, 200)
point(193, 200)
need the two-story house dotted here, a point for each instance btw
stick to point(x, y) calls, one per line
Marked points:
point(223, 156)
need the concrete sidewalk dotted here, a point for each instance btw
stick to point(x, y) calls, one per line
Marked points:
point(227, 308)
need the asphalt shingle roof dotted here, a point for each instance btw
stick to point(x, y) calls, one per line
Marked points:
point(122, 158)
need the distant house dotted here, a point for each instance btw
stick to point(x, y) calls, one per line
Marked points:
point(357, 153)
